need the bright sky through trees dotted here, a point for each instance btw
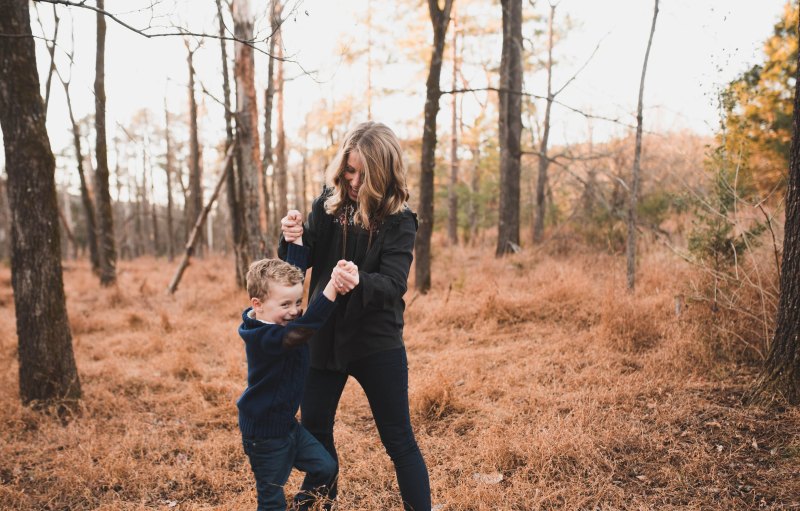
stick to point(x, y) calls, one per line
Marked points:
point(699, 45)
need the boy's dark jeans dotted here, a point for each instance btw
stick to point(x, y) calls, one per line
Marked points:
point(272, 460)
point(384, 378)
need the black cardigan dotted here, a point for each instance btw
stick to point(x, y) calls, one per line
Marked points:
point(369, 319)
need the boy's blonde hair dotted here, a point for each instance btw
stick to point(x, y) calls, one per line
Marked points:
point(262, 272)
point(383, 190)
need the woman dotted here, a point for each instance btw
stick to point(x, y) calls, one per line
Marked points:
point(363, 217)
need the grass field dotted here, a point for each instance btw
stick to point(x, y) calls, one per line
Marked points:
point(536, 382)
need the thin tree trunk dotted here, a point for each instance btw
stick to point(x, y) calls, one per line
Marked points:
point(195, 168)
point(201, 218)
point(247, 130)
point(634, 191)
point(47, 371)
point(233, 179)
point(510, 127)
point(168, 171)
point(105, 235)
point(281, 171)
point(781, 372)
point(452, 197)
point(269, 95)
point(440, 19)
point(86, 199)
point(544, 160)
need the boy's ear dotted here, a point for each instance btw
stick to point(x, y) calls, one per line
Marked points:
point(255, 303)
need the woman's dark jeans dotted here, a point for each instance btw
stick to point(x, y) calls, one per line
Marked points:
point(384, 378)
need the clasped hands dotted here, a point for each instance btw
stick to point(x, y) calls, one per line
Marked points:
point(344, 275)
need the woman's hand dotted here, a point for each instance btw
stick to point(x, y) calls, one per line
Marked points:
point(292, 227)
point(345, 277)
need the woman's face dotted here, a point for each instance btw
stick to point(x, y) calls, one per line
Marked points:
point(353, 174)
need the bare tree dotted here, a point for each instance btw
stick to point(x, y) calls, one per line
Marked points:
point(249, 161)
point(452, 197)
point(440, 19)
point(544, 161)
point(280, 170)
point(195, 203)
point(510, 127)
point(634, 189)
point(47, 371)
point(781, 372)
point(168, 170)
point(270, 210)
point(234, 182)
point(105, 225)
point(86, 199)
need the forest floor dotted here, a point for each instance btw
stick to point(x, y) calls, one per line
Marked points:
point(536, 382)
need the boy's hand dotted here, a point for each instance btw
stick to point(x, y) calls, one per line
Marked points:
point(345, 276)
point(292, 227)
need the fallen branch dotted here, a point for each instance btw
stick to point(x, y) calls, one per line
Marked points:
point(198, 225)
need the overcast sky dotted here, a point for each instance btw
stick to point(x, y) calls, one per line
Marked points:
point(699, 45)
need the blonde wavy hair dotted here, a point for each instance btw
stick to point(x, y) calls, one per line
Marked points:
point(383, 191)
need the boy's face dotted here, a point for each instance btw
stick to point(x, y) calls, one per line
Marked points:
point(281, 306)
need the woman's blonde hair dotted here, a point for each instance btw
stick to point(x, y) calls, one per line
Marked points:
point(383, 190)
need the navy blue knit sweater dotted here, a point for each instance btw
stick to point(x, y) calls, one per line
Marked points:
point(276, 375)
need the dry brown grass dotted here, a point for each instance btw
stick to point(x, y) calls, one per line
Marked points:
point(539, 369)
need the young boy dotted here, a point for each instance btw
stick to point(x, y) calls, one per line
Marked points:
point(275, 335)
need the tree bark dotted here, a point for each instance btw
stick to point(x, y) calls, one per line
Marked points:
point(270, 211)
point(168, 170)
point(510, 127)
point(247, 130)
point(195, 168)
point(440, 19)
point(281, 171)
point(544, 160)
point(232, 184)
point(781, 372)
point(634, 189)
point(47, 371)
point(105, 225)
point(86, 199)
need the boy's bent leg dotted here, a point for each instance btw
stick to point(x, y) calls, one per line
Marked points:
point(320, 468)
point(271, 462)
point(384, 378)
point(318, 412)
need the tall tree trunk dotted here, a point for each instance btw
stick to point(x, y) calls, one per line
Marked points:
point(281, 171)
point(86, 199)
point(105, 224)
point(440, 19)
point(247, 129)
point(510, 127)
point(781, 372)
point(195, 168)
point(168, 170)
point(634, 189)
point(544, 160)
point(452, 197)
point(272, 231)
point(232, 183)
point(47, 371)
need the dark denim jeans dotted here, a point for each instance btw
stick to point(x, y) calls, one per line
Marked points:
point(384, 378)
point(272, 460)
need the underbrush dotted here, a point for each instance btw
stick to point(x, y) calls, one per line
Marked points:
point(536, 382)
